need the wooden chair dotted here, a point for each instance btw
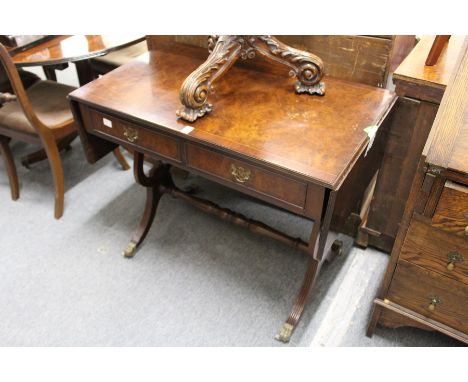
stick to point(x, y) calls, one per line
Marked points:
point(40, 115)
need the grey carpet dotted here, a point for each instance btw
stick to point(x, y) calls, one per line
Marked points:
point(196, 281)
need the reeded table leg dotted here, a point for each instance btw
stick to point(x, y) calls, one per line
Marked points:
point(286, 331)
point(315, 248)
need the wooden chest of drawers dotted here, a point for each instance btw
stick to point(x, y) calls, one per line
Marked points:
point(426, 283)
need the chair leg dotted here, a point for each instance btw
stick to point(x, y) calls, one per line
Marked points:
point(10, 166)
point(121, 159)
point(41, 155)
point(55, 162)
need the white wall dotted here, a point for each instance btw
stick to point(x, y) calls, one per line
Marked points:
point(67, 76)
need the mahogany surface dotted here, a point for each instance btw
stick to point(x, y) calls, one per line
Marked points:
point(64, 49)
point(257, 114)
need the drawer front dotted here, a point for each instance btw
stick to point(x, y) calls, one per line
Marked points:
point(431, 294)
point(451, 213)
point(246, 175)
point(129, 135)
point(436, 250)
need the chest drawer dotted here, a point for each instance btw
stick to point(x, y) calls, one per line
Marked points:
point(436, 250)
point(246, 175)
point(130, 135)
point(451, 213)
point(431, 294)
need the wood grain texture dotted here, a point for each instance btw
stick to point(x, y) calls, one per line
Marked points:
point(436, 239)
point(274, 185)
point(414, 115)
point(430, 248)
point(163, 145)
point(438, 46)
point(448, 149)
point(256, 114)
point(364, 59)
point(413, 287)
point(413, 68)
point(394, 316)
point(451, 213)
point(408, 132)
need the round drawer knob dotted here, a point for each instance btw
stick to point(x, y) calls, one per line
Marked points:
point(450, 266)
point(466, 230)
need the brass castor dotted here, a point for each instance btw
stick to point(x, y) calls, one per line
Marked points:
point(129, 252)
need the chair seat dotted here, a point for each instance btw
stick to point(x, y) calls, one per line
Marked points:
point(49, 101)
point(122, 56)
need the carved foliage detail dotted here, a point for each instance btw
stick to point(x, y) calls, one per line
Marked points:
point(225, 50)
point(196, 87)
point(307, 67)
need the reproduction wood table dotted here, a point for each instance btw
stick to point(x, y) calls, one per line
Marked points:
point(295, 152)
point(426, 283)
point(420, 89)
point(77, 49)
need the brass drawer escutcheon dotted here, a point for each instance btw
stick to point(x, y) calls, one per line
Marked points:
point(453, 257)
point(240, 174)
point(131, 134)
point(434, 301)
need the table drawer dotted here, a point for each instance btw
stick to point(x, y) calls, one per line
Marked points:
point(451, 213)
point(246, 175)
point(431, 294)
point(129, 134)
point(436, 250)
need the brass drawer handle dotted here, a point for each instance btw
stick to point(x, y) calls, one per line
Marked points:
point(131, 134)
point(240, 174)
point(453, 258)
point(434, 301)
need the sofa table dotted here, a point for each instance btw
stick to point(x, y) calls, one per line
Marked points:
point(292, 151)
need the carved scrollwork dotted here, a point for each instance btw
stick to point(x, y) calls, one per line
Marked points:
point(225, 50)
point(196, 87)
point(307, 67)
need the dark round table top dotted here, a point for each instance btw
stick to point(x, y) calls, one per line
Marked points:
point(62, 49)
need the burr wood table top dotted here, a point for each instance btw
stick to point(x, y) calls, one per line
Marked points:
point(256, 114)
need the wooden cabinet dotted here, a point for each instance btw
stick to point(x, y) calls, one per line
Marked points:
point(420, 89)
point(426, 283)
